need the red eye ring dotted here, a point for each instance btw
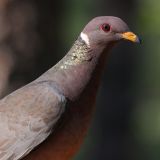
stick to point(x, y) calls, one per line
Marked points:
point(105, 27)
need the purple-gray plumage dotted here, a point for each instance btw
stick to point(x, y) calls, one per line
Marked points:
point(67, 92)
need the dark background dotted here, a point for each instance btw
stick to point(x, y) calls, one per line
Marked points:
point(34, 35)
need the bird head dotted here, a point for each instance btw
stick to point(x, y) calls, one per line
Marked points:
point(107, 29)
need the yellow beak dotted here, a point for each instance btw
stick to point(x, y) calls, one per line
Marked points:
point(130, 36)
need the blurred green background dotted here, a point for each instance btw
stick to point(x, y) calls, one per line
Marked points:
point(34, 35)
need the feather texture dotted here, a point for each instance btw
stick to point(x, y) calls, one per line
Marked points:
point(25, 123)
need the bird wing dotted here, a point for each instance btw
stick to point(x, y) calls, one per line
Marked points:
point(27, 117)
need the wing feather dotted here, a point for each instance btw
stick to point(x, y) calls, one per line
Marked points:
point(27, 117)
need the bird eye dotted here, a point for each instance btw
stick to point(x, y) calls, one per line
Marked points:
point(106, 27)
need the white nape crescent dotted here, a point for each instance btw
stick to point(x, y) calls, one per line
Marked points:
point(85, 38)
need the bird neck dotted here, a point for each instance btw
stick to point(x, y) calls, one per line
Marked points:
point(80, 67)
point(78, 54)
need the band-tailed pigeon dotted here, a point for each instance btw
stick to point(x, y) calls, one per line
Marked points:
point(60, 102)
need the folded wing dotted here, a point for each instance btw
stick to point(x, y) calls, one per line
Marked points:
point(27, 117)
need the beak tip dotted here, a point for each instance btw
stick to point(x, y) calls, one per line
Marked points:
point(139, 40)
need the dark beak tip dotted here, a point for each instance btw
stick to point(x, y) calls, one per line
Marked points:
point(139, 40)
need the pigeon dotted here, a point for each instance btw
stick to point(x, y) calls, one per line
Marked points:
point(57, 107)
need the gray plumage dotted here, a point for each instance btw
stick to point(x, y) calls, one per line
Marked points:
point(29, 115)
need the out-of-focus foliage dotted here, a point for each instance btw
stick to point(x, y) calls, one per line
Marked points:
point(146, 114)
